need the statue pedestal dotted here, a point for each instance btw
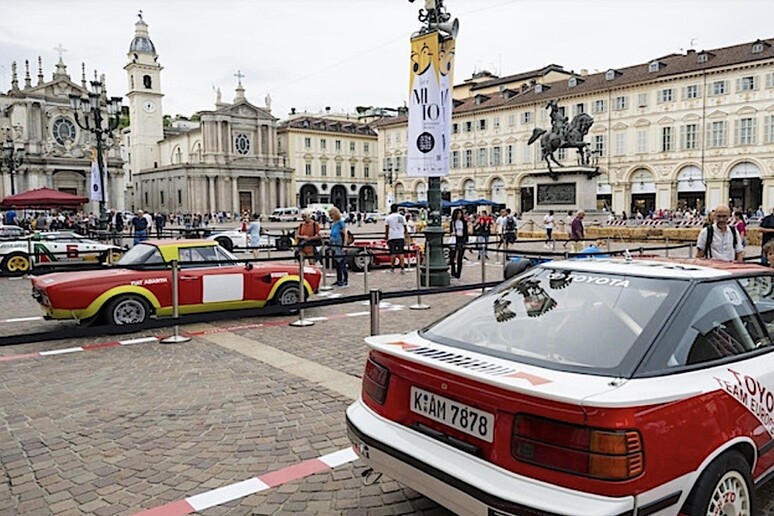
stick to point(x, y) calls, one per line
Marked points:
point(566, 189)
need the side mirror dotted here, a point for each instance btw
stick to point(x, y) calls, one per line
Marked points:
point(249, 266)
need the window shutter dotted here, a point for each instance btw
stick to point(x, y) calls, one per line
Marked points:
point(682, 137)
point(767, 129)
point(768, 80)
point(739, 85)
point(709, 136)
point(754, 131)
point(736, 132)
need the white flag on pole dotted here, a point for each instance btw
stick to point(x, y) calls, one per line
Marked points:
point(95, 191)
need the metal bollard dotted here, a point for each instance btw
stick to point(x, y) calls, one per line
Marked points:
point(365, 274)
point(483, 271)
point(690, 249)
point(608, 245)
point(175, 338)
point(553, 245)
point(302, 321)
point(667, 247)
point(376, 299)
point(325, 287)
point(419, 305)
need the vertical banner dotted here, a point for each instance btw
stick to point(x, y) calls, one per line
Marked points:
point(95, 190)
point(430, 104)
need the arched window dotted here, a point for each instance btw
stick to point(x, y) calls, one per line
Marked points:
point(147, 82)
point(421, 191)
point(498, 191)
point(469, 190)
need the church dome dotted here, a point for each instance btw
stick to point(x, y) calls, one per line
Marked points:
point(142, 42)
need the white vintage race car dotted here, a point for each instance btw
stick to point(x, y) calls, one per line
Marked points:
point(236, 240)
point(17, 256)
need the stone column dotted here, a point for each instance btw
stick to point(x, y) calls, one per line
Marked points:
point(50, 179)
point(234, 194)
point(273, 194)
point(262, 196)
point(211, 193)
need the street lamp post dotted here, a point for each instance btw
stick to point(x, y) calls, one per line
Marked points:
point(12, 157)
point(390, 175)
point(101, 127)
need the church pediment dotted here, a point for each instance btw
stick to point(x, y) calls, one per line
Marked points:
point(56, 88)
point(245, 109)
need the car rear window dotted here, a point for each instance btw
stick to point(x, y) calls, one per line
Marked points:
point(566, 320)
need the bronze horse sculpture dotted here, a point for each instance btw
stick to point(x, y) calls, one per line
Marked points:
point(569, 136)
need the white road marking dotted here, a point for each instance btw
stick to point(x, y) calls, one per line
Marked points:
point(340, 457)
point(137, 341)
point(357, 314)
point(23, 319)
point(60, 351)
point(225, 494)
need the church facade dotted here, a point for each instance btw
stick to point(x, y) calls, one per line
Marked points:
point(37, 119)
point(227, 160)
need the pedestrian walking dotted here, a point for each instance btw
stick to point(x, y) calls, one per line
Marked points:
point(308, 237)
point(254, 234)
point(140, 225)
point(548, 224)
point(458, 227)
point(577, 231)
point(396, 234)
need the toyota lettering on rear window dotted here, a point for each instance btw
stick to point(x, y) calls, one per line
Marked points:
point(566, 320)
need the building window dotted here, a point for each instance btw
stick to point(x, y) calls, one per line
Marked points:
point(179, 197)
point(690, 136)
point(666, 139)
point(366, 171)
point(308, 169)
point(642, 141)
point(482, 124)
point(620, 143)
point(455, 128)
point(610, 75)
point(351, 146)
point(481, 161)
point(526, 117)
point(496, 156)
point(718, 88)
point(63, 130)
point(653, 67)
point(561, 154)
point(241, 144)
point(337, 144)
point(747, 84)
point(511, 120)
point(578, 109)
point(161, 194)
point(455, 159)
point(620, 103)
point(352, 171)
point(509, 155)
point(468, 126)
point(526, 156)
point(324, 169)
point(666, 95)
point(599, 106)
point(146, 198)
point(757, 48)
point(366, 148)
point(324, 143)
point(692, 91)
point(338, 169)
point(307, 143)
point(746, 131)
point(572, 82)
point(642, 100)
point(496, 122)
point(768, 129)
point(468, 158)
point(599, 144)
point(717, 134)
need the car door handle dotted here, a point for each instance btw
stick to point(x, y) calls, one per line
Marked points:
point(189, 278)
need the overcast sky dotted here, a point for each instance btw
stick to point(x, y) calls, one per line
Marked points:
point(310, 54)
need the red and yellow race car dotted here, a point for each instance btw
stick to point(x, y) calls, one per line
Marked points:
point(376, 253)
point(140, 284)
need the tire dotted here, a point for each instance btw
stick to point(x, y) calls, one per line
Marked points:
point(514, 268)
point(17, 264)
point(287, 295)
point(725, 487)
point(360, 259)
point(127, 310)
point(225, 243)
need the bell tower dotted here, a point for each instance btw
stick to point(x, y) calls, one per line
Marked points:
point(144, 98)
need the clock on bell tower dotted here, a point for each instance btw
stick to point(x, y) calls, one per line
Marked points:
point(143, 72)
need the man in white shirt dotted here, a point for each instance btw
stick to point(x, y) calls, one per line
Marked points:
point(396, 234)
point(720, 241)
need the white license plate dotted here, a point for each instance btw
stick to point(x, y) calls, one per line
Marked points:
point(463, 417)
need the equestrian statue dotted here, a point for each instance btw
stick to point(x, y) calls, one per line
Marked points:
point(564, 135)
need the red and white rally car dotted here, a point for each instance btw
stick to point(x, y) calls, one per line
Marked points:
point(583, 387)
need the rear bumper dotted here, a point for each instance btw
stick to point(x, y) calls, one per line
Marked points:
point(461, 482)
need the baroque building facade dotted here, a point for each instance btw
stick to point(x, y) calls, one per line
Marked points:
point(335, 160)
point(227, 160)
point(687, 129)
point(57, 153)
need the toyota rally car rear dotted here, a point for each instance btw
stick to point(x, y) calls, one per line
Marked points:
point(509, 404)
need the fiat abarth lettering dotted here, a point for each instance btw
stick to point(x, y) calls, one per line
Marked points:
point(583, 387)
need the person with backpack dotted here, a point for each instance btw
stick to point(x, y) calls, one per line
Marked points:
point(719, 240)
point(510, 229)
point(308, 237)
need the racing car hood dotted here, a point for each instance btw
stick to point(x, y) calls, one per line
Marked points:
point(573, 388)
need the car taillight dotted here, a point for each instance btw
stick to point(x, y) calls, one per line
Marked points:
point(375, 381)
point(602, 454)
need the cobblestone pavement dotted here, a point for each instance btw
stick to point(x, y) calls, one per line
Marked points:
point(120, 429)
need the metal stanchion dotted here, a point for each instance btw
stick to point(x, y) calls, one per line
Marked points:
point(376, 298)
point(667, 247)
point(365, 274)
point(175, 338)
point(302, 321)
point(325, 287)
point(483, 269)
point(690, 249)
point(419, 304)
point(608, 245)
point(553, 245)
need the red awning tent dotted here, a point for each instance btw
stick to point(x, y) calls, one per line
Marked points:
point(43, 198)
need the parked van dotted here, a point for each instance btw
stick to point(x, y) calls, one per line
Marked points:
point(285, 215)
